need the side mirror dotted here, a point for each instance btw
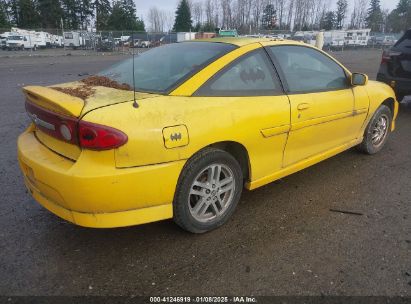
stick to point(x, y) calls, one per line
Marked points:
point(358, 79)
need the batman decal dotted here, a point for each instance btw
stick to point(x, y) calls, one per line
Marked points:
point(252, 75)
point(175, 136)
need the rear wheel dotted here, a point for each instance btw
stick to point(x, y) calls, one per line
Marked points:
point(377, 131)
point(208, 191)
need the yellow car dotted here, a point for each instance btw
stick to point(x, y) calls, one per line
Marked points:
point(181, 129)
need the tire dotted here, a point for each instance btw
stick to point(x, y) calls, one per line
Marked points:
point(377, 131)
point(201, 203)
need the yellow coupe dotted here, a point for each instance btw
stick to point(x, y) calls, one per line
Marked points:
point(178, 131)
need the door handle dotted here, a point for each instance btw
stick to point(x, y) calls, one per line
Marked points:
point(303, 106)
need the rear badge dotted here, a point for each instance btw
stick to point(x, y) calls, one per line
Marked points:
point(41, 123)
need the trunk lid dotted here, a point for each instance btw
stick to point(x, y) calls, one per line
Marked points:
point(69, 102)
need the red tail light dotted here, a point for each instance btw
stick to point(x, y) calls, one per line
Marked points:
point(387, 56)
point(97, 137)
point(72, 130)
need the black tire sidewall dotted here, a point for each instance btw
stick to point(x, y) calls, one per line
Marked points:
point(193, 167)
point(367, 145)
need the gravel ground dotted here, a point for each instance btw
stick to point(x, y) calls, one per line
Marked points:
point(282, 240)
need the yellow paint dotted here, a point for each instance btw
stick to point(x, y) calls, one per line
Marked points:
point(135, 183)
point(54, 100)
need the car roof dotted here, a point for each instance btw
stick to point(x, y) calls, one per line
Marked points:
point(241, 41)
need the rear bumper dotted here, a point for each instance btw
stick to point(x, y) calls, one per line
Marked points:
point(91, 192)
point(401, 86)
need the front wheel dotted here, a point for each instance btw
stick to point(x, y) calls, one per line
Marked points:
point(377, 131)
point(208, 191)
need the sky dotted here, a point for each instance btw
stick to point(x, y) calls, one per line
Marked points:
point(170, 5)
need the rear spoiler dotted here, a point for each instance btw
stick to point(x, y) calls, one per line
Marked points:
point(54, 100)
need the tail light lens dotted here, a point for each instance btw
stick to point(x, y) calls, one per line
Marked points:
point(98, 137)
point(387, 56)
point(72, 130)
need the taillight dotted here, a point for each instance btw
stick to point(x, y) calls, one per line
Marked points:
point(97, 137)
point(387, 56)
point(56, 125)
point(72, 130)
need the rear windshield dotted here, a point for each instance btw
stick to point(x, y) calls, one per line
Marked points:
point(163, 68)
point(404, 42)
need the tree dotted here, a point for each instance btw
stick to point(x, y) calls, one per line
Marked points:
point(70, 14)
point(50, 13)
point(374, 18)
point(403, 15)
point(342, 6)
point(123, 17)
point(4, 22)
point(183, 22)
point(102, 10)
point(28, 16)
point(156, 18)
point(328, 21)
point(269, 18)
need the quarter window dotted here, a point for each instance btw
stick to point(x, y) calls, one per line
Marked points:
point(251, 75)
point(307, 70)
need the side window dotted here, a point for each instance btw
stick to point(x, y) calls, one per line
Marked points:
point(251, 75)
point(308, 70)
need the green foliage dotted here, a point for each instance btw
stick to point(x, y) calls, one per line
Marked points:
point(208, 27)
point(123, 17)
point(102, 13)
point(269, 19)
point(71, 18)
point(28, 16)
point(183, 22)
point(328, 21)
point(374, 18)
point(50, 12)
point(342, 6)
point(400, 18)
point(4, 21)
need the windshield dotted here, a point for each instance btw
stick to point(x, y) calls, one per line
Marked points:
point(68, 35)
point(15, 38)
point(161, 69)
point(405, 41)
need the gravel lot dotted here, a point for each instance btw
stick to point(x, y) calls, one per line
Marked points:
point(283, 239)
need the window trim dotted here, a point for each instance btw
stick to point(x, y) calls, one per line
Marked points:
point(271, 67)
point(284, 80)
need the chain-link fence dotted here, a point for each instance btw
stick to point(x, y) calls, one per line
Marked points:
point(126, 42)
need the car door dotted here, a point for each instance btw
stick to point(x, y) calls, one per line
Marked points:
point(251, 108)
point(321, 99)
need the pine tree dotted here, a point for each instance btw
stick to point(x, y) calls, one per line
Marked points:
point(70, 13)
point(374, 18)
point(403, 11)
point(183, 22)
point(50, 13)
point(28, 16)
point(269, 19)
point(328, 21)
point(342, 6)
point(102, 12)
point(4, 22)
point(123, 17)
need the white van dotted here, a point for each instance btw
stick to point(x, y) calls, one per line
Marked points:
point(21, 42)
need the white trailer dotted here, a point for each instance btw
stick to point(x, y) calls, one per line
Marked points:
point(74, 40)
point(334, 38)
point(357, 37)
point(43, 39)
point(185, 36)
